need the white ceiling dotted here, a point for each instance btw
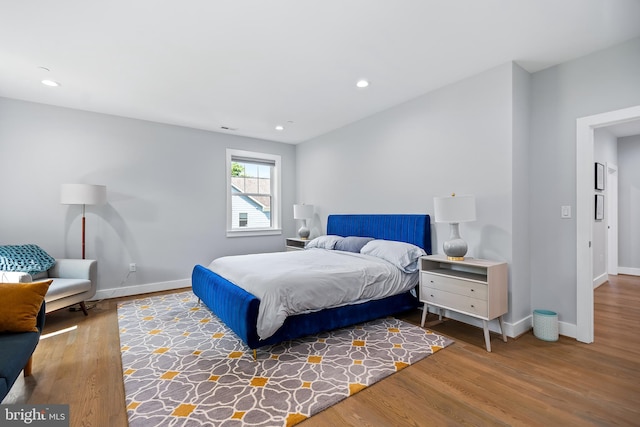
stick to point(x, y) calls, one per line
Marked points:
point(255, 64)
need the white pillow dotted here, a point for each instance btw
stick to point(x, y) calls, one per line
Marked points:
point(324, 242)
point(402, 255)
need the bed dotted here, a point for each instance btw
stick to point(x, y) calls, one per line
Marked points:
point(239, 309)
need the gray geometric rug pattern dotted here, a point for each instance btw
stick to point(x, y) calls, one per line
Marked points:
point(183, 367)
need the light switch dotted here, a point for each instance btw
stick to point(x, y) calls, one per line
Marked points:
point(565, 212)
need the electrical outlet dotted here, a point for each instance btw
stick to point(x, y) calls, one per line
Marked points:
point(132, 267)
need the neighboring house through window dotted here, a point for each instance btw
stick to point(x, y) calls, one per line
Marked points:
point(253, 193)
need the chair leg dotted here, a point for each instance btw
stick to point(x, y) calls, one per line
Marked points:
point(28, 367)
point(84, 308)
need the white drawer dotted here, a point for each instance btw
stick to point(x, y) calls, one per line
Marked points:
point(455, 302)
point(455, 285)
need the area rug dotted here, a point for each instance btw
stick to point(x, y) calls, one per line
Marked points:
point(183, 367)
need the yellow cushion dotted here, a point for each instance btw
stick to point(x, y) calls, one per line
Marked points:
point(20, 304)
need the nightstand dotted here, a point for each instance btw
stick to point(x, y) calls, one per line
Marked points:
point(295, 244)
point(474, 287)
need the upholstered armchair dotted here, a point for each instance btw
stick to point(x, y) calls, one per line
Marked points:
point(74, 280)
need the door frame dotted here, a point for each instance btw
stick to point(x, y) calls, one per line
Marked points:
point(612, 218)
point(585, 176)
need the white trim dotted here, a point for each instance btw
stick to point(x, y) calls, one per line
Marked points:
point(601, 279)
point(141, 289)
point(254, 232)
point(276, 185)
point(612, 218)
point(512, 330)
point(565, 329)
point(629, 270)
point(584, 213)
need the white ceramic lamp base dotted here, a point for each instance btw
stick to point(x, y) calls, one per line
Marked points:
point(455, 248)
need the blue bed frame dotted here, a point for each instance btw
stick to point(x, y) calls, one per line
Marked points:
point(238, 309)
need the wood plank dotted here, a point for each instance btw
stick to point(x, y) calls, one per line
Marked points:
point(523, 382)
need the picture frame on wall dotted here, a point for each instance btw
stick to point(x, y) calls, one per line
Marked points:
point(599, 176)
point(599, 207)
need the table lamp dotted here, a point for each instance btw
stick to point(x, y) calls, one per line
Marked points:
point(303, 212)
point(454, 210)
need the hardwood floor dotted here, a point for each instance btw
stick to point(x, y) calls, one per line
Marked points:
point(525, 382)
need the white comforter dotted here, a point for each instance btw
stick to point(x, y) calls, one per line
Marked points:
point(295, 282)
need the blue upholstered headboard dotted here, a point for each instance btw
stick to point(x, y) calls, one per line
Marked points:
point(410, 228)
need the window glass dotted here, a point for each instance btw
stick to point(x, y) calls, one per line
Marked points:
point(253, 191)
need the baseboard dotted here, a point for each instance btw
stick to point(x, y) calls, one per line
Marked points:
point(512, 329)
point(629, 270)
point(601, 279)
point(141, 289)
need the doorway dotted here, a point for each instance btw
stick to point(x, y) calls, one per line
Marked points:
point(585, 127)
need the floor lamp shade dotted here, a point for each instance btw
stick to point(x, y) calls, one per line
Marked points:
point(83, 194)
point(454, 210)
point(303, 212)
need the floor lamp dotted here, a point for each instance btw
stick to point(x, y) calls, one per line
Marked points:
point(83, 194)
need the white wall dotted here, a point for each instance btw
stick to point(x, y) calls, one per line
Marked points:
point(604, 81)
point(455, 139)
point(629, 204)
point(166, 192)
point(605, 151)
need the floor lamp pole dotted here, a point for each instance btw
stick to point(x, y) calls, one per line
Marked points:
point(83, 228)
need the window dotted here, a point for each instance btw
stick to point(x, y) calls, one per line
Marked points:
point(253, 193)
point(243, 219)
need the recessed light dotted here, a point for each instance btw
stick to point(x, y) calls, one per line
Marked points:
point(362, 83)
point(51, 83)
point(279, 128)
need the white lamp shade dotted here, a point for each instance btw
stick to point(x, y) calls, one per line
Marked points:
point(83, 194)
point(302, 211)
point(454, 209)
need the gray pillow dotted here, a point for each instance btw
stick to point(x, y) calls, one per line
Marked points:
point(402, 255)
point(324, 242)
point(352, 243)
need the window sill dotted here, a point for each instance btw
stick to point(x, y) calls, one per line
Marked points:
point(254, 232)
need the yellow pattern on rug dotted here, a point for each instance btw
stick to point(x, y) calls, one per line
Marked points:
point(183, 367)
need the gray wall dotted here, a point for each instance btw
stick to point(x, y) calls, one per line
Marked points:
point(455, 139)
point(503, 135)
point(629, 202)
point(520, 268)
point(166, 192)
point(604, 81)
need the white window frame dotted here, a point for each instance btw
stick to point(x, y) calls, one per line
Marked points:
point(276, 227)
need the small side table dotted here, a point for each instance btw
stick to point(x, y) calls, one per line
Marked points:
point(474, 287)
point(295, 243)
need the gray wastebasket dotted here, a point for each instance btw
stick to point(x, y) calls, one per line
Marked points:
point(545, 325)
